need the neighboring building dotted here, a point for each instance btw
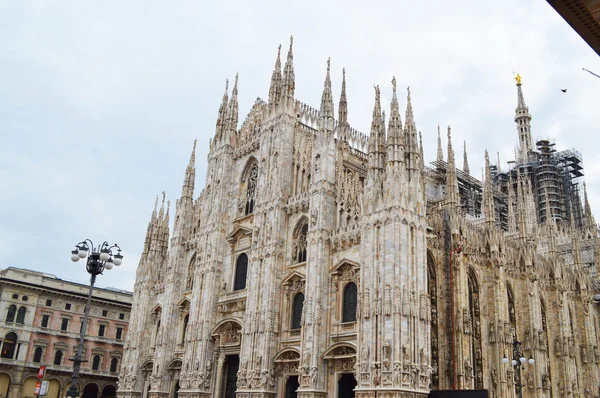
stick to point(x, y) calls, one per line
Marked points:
point(40, 321)
point(320, 262)
point(583, 16)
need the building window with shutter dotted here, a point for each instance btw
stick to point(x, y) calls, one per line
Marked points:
point(101, 330)
point(64, 326)
point(21, 315)
point(113, 365)
point(96, 362)
point(37, 355)
point(119, 333)
point(58, 357)
point(10, 315)
point(45, 320)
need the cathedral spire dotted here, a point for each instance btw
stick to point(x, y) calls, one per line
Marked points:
point(440, 153)
point(326, 119)
point(161, 212)
point(377, 137)
point(523, 120)
point(589, 217)
point(498, 164)
point(275, 89)
point(395, 141)
point(289, 78)
point(465, 160)
point(421, 153)
point(222, 118)
point(190, 176)
point(232, 114)
point(452, 196)
point(343, 110)
point(488, 194)
point(410, 139)
point(512, 223)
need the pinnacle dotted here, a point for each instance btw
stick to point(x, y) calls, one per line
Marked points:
point(343, 107)
point(155, 207)
point(326, 98)
point(465, 160)
point(440, 153)
point(193, 155)
point(409, 110)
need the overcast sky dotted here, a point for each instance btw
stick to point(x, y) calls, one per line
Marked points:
point(100, 101)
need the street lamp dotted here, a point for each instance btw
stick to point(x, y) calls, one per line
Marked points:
point(99, 258)
point(518, 360)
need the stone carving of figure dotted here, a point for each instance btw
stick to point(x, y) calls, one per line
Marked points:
point(546, 381)
point(397, 300)
point(365, 353)
point(387, 307)
point(264, 378)
point(492, 332)
point(494, 377)
point(366, 304)
point(557, 347)
point(397, 373)
point(530, 385)
point(584, 354)
point(314, 374)
point(385, 349)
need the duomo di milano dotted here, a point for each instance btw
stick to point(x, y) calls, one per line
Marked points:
point(321, 262)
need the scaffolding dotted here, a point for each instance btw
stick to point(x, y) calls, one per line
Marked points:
point(471, 193)
point(556, 178)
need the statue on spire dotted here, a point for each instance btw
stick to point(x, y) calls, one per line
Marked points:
point(518, 79)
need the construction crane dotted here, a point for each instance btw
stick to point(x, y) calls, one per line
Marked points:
point(589, 71)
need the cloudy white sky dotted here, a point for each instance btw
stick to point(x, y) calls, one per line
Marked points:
point(100, 101)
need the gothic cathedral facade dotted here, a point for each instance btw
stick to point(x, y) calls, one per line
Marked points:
point(319, 262)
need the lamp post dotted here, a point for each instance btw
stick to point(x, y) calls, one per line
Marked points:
point(99, 258)
point(518, 361)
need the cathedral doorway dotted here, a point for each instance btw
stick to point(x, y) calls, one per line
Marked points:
point(291, 387)
point(231, 368)
point(346, 385)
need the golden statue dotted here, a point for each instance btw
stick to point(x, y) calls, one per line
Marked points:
point(518, 79)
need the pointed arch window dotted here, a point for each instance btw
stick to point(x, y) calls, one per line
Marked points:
point(9, 345)
point(21, 315)
point(37, 355)
point(251, 189)
point(58, 357)
point(113, 365)
point(96, 362)
point(10, 315)
point(297, 311)
point(241, 270)
point(350, 301)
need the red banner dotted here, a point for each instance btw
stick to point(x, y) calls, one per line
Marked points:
point(41, 372)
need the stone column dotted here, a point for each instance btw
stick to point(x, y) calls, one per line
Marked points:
point(220, 365)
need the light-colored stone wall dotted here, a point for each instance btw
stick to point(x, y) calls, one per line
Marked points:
point(440, 296)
